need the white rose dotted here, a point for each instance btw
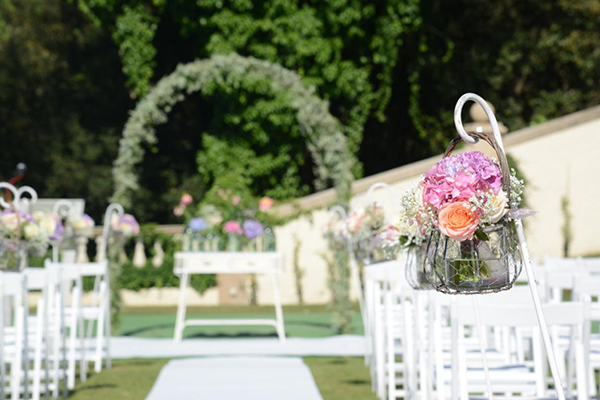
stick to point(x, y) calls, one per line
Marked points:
point(496, 207)
point(126, 229)
point(47, 224)
point(31, 231)
point(38, 215)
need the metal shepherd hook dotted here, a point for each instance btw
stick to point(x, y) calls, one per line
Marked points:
point(535, 294)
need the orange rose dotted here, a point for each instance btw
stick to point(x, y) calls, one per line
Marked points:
point(456, 220)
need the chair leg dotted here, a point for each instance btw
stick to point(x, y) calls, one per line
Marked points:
point(100, 333)
point(72, 351)
point(37, 358)
point(17, 362)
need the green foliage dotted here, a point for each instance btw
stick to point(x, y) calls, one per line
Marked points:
point(346, 49)
point(149, 276)
point(62, 102)
point(390, 68)
point(321, 131)
point(135, 30)
point(298, 270)
point(338, 268)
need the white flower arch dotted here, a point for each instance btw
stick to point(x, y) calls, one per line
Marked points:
point(325, 140)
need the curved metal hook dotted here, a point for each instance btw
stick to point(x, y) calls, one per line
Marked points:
point(13, 190)
point(112, 209)
point(488, 111)
point(24, 201)
point(63, 208)
point(339, 210)
point(381, 185)
point(356, 202)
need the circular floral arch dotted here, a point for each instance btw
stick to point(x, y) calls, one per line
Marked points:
point(325, 140)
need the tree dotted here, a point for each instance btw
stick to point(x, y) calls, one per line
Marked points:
point(62, 101)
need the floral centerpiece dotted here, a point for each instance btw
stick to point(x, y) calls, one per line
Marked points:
point(20, 235)
point(472, 247)
point(230, 221)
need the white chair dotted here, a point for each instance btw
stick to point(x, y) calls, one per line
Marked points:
point(514, 380)
point(13, 336)
point(77, 315)
point(587, 289)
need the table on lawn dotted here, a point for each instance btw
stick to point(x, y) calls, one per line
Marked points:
point(265, 263)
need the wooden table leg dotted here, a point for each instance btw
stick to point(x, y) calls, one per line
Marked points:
point(181, 307)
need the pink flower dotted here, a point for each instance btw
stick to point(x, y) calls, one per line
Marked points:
point(458, 221)
point(232, 227)
point(235, 200)
point(178, 211)
point(186, 200)
point(266, 203)
point(458, 178)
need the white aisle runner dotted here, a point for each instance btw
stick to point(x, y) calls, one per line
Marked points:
point(225, 378)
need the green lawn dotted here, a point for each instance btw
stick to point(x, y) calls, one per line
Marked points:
point(127, 380)
point(338, 378)
point(307, 321)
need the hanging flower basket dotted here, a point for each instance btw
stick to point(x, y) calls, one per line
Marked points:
point(473, 247)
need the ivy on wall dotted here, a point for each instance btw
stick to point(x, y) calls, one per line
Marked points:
point(325, 140)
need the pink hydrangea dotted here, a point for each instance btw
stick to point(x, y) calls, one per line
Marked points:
point(457, 178)
point(232, 227)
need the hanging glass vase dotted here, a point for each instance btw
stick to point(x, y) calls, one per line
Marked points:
point(234, 242)
point(414, 271)
point(487, 263)
point(13, 256)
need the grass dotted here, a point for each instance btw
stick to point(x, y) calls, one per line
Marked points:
point(128, 379)
point(341, 378)
point(338, 378)
point(300, 321)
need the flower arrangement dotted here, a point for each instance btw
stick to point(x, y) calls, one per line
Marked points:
point(125, 225)
point(20, 234)
point(364, 227)
point(50, 224)
point(466, 212)
point(80, 225)
point(239, 221)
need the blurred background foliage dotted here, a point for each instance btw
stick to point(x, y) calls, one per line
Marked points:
point(391, 70)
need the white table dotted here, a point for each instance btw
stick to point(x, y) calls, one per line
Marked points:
point(265, 263)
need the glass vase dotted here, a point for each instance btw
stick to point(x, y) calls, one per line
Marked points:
point(480, 265)
point(414, 270)
point(13, 257)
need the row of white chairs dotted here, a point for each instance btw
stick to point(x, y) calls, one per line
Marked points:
point(41, 350)
point(427, 345)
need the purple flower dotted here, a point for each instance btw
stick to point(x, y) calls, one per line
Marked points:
point(197, 224)
point(127, 225)
point(58, 231)
point(252, 228)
